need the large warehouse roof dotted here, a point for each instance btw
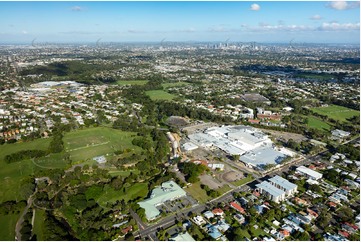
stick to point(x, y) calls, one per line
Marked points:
point(166, 192)
point(269, 188)
point(283, 183)
point(262, 156)
point(314, 174)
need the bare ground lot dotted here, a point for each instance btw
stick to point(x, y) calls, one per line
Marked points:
point(285, 135)
point(210, 181)
point(232, 176)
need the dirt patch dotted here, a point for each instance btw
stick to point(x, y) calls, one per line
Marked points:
point(232, 176)
point(285, 135)
point(210, 181)
point(177, 121)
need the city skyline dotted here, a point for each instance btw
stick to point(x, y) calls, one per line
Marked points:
point(265, 22)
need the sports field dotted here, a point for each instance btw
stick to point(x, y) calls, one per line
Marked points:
point(159, 95)
point(336, 112)
point(12, 174)
point(81, 144)
point(131, 82)
point(316, 123)
point(88, 143)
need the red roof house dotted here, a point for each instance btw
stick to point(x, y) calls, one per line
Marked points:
point(237, 207)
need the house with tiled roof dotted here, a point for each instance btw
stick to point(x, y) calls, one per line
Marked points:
point(238, 207)
point(218, 212)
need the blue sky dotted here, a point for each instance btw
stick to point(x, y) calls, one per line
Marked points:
point(316, 22)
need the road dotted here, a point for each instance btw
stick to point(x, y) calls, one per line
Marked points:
point(20, 221)
point(167, 222)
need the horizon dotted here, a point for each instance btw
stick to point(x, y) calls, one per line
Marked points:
point(261, 22)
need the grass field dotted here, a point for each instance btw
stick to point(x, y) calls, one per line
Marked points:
point(336, 112)
point(174, 84)
point(159, 95)
point(81, 144)
point(39, 144)
point(39, 224)
point(123, 173)
point(12, 174)
point(88, 143)
point(110, 195)
point(243, 181)
point(224, 189)
point(316, 123)
point(7, 225)
point(132, 82)
point(197, 192)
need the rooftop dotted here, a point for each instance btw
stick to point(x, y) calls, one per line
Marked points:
point(309, 172)
point(182, 237)
point(263, 156)
point(166, 192)
point(283, 183)
point(269, 188)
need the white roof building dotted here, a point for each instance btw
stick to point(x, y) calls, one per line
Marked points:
point(309, 173)
point(337, 133)
point(189, 146)
point(168, 191)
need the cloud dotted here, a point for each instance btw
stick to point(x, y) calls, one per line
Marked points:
point(24, 32)
point(316, 17)
point(255, 7)
point(77, 9)
point(280, 27)
point(343, 5)
point(334, 26)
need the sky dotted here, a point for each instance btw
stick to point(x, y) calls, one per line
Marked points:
point(245, 21)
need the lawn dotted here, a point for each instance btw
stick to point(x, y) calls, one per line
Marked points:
point(336, 112)
point(39, 224)
point(110, 195)
point(197, 192)
point(7, 225)
point(11, 176)
point(81, 144)
point(88, 143)
point(132, 82)
point(38, 144)
point(224, 189)
point(174, 84)
point(243, 181)
point(316, 123)
point(50, 161)
point(123, 173)
point(159, 95)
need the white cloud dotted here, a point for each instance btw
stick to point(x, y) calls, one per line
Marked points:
point(339, 27)
point(280, 27)
point(316, 17)
point(255, 7)
point(343, 5)
point(77, 9)
point(24, 32)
